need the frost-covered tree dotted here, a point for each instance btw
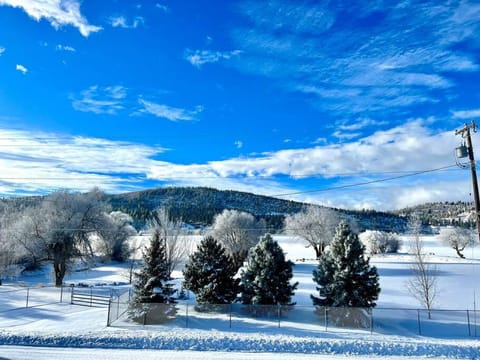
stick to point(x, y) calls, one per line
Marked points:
point(114, 235)
point(210, 274)
point(60, 229)
point(237, 231)
point(458, 239)
point(315, 225)
point(344, 275)
point(266, 279)
point(380, 242)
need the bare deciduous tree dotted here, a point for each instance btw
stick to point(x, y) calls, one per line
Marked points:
point(458, 239)
point(423, 284)
point(172, 232)
point(316, 225)
point(237, 231)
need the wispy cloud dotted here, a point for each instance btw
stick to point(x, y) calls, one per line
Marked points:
point(162, 7)
point(122, 22)
point(201, 57)
point(466, 114)
point(100, 100)
point(57, 12)
point(42, 162)
point(405, 56)
point(169, 112)
point(68, 48)
point(2, 50)
point(238, 144)
point(21, 68)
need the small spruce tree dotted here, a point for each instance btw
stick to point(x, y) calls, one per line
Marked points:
point(152, 282)
point(210, 273)
point(344, 275)
point(266, 280)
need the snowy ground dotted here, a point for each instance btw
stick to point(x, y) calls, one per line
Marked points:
point(54, 329)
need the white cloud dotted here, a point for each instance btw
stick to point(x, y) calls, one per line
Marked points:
point(21, 68)
point(162, 7)
point(2, 50)
point(466, 114)
point(39, 162)
point(169, 112)
point(57, 12)
point(238, 144)
point(122, 22)
point(200, 57)
point(100, 100)
point(68, 48)
point(409, 148)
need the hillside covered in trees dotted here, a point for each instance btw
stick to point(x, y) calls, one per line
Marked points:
point(198, 206)
point(458, 213)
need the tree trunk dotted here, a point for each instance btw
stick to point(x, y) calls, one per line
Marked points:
point(60, 269)
point(459, 251)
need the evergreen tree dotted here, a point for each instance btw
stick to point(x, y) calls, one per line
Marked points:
point(266, 280)
point(344, 275)
point(151, 285)
point(210, 273)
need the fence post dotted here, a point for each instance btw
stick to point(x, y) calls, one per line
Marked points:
point(108, 314)
point(91, 296)
point(326, 318)
point(28, 291)
point(72, 289)
point(371, 320)
point(186, 316)
point(419, 326)
point(61, 293)
point(468, 321)
point(278, 314)
point(230, 314)
point(118, 306)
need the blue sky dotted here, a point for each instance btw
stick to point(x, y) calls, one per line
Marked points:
point(343, 103)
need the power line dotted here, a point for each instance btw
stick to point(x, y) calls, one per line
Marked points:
point(365, 182)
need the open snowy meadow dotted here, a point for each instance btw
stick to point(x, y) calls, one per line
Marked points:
point(38, 320)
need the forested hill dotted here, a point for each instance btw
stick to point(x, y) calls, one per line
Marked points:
point(458, 213)
point(198, 206)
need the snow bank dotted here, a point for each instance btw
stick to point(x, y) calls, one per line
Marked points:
point(253, 342)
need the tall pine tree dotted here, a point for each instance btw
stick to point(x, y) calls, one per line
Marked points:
point(344, 275)
point(152, 282)
point(210, 273)
point(266, 280)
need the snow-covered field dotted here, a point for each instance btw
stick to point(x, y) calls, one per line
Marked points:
point(54, 329)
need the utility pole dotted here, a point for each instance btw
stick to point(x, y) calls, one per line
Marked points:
point(465, 133)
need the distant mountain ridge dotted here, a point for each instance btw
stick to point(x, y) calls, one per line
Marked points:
point(199, 205)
